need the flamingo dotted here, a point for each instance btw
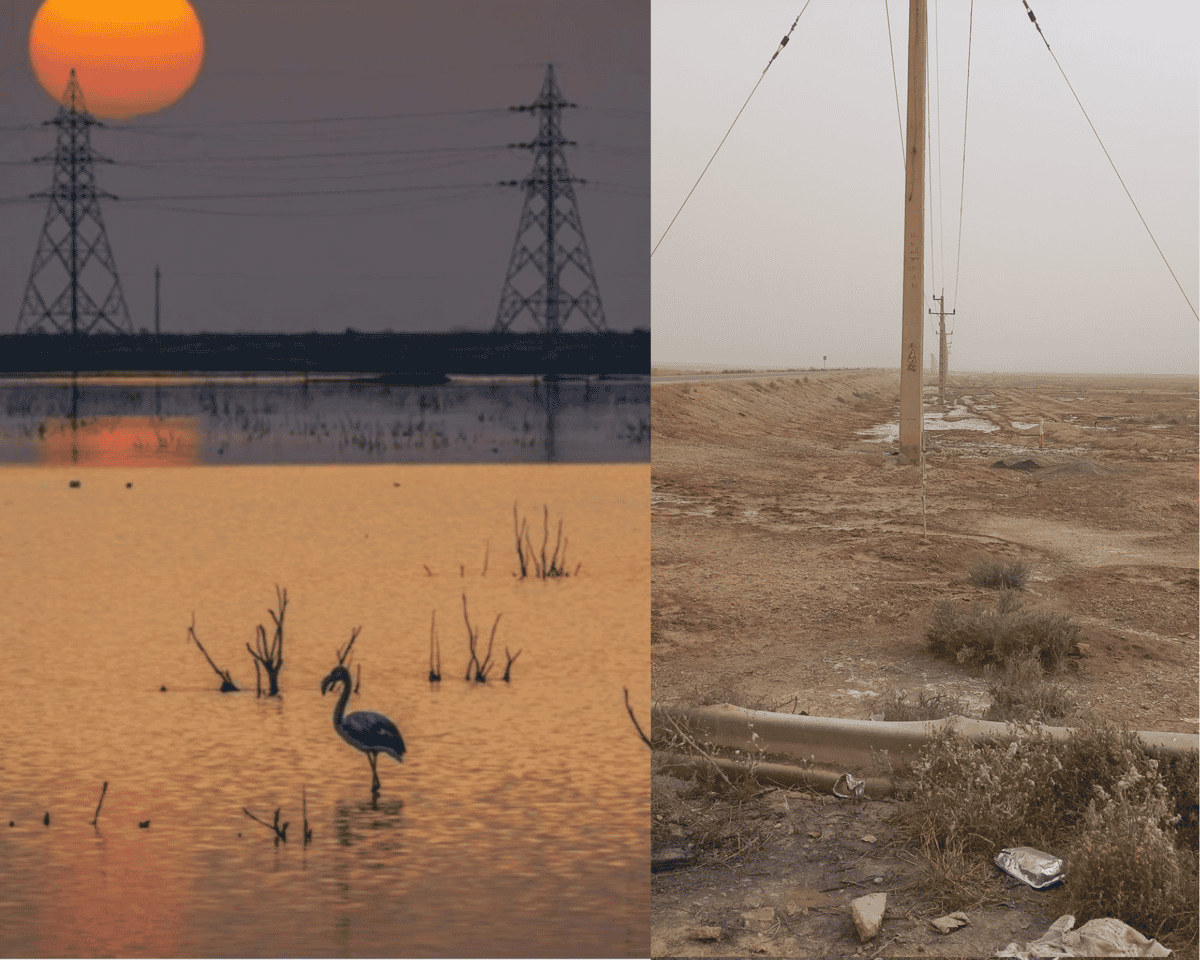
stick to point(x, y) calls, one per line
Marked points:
point(370, 732)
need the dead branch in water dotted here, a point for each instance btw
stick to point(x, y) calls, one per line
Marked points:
point(545, 567)
point(343, 653)
point(103, 791)
point(227, 684)
point(271, 656)
point(280, 832)
point(481, 666)
point(435, 650)
point(638, 726)
point(304, 808)
point(512, 658)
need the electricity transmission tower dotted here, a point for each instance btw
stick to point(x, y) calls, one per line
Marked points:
point(550, 247)
point(73, 238)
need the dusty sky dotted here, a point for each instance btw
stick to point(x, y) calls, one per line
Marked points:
point(403, 260)
point(790, 248)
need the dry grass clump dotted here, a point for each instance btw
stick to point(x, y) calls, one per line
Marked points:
point(1100, 800)
point(895, 705)
point(979, 635)
point(1022, 691)
point(999, 576)
point(1125, 864)
point(715, 814)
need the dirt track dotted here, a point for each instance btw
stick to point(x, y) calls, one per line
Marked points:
point(790, 570)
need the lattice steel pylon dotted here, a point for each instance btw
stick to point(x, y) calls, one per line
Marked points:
point(73, 236)
point(550, 215)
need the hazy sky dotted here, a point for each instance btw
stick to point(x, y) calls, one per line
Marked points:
point(790, 248)
point(405, 260)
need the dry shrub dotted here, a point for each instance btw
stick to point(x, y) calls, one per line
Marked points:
point(1123, 820)
point(895, 705)
point(982, 796)
point(999, 576)
point(1022, 692)
point(1008, 631)
point(1125, 864)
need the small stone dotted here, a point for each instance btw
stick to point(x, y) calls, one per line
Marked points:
point(950, 922)
point(877, 880)
point(869, 838)
point(759, 920)
point(868, 914)
point(1085, 649)
point(704, 933)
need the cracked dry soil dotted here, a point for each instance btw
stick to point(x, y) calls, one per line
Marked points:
point(790, 572)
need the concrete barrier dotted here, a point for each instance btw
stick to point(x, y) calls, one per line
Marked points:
point(828, 746)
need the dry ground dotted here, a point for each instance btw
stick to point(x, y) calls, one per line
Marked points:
point(791, 572)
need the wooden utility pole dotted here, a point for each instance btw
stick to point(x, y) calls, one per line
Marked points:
point(913, 320)
point(944, 361)
point(156, 279)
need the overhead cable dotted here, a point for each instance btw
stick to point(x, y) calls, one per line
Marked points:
point(1110, 159)
point(782, 43)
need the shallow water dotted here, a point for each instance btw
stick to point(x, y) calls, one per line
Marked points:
point(517, 824)
point(292, 420)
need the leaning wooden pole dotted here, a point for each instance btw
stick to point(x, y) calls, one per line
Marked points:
point(913, 315)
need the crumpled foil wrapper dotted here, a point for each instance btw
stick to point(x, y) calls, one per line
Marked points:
point(848, 786)
point(1033, 867)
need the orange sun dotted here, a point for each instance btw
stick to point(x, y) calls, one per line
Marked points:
point(130, 56)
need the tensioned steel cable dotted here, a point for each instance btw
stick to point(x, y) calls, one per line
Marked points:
point(895, 82)
point(1033, 19)
point(782, 43)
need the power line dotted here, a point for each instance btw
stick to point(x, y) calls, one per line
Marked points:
point(168, 128)
point(1033, 19)
point(782, 43)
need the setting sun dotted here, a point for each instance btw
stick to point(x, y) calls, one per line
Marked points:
point(130, 56)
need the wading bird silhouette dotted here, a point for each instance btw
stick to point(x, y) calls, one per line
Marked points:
point(370, 732)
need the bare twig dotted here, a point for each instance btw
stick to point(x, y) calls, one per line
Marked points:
point(271, 655)
point(357, 677)
point(541, 566)
point(481, 673)
point(304, 808)
point(519, 531)
point(629, 709)
point(486, 549)
point(512, 658)
point(427, 570)
point(481, 666)
point(343, 653)
point(474, 661)
point(699, 749)
point(227, 684)
point(280, 832)
point(435, 651)
point(103, 791)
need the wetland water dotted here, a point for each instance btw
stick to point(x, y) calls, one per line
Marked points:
point(293, 420)
point(517, 824)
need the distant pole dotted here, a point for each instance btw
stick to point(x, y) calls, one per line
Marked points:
point(823, 359)
point(157, 276)
point(945, 360)
point(912, 319)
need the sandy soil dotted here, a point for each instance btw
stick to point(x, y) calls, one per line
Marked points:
point(790, 571)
